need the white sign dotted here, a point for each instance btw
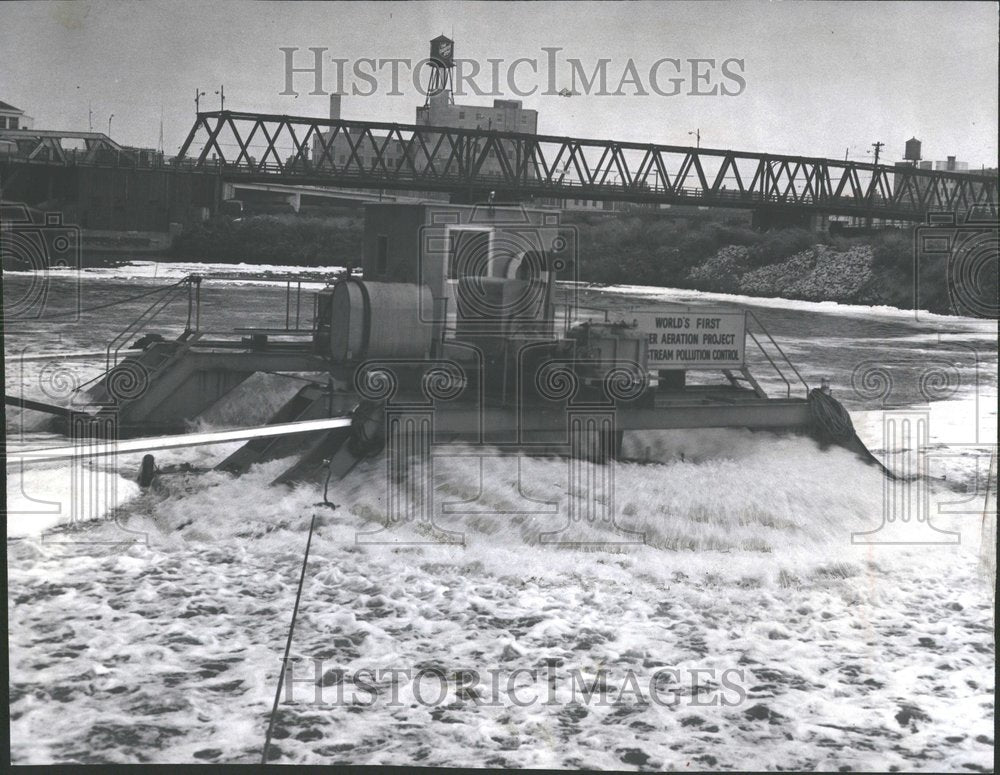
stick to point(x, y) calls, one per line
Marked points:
point(686, 338)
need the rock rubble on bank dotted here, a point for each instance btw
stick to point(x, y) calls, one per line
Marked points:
point(817, 274)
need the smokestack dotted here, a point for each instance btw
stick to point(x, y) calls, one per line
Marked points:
point(335, 107)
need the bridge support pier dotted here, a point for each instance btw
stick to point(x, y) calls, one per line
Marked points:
point(767, 218)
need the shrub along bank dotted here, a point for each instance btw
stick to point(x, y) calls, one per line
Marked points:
point(644, 249)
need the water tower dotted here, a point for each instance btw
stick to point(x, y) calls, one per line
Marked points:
point(442, 64)
point(912, 150)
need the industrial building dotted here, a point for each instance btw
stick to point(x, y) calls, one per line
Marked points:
point(14, 118)
point(441, 110)
point(912, 158)
point(504, 115)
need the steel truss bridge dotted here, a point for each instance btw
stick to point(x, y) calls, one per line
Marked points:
point(298, 150)
point(48, 145)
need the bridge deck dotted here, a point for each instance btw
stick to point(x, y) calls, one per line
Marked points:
point(367, 154)
point(471, 163)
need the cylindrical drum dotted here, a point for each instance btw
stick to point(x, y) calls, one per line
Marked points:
point(380, 320)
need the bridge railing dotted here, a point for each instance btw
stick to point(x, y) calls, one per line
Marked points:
point(517, 165)
point(384, 155)
point(131, 159)
point(368, 177)
point(125, 159)
point(564, 189)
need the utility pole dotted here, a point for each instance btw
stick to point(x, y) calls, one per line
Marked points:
point(878, 146)
point(222, 97)
point(90, 116)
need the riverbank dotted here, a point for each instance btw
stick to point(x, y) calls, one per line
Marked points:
point(274, 239)
point(888, 267)
point(883, 268)
point(819, 273)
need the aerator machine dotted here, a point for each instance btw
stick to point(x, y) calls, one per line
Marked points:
point(457, 331)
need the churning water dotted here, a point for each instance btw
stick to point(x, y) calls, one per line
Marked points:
point(157, 635)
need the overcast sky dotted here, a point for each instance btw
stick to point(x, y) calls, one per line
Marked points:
point(819, 77)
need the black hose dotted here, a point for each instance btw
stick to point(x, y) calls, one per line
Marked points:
point(326, 488)
point(364, 441)
point(832, 425)
point(147, 471)
point(831, 421)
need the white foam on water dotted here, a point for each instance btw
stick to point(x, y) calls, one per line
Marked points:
point(159, 638)
point(177, 270)
point(39, 499)
point(747, 560)
point(967, 420)
point(681, 295)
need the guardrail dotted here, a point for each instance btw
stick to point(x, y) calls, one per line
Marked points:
point(164, 297)
point(781, 353)
point(875, 205)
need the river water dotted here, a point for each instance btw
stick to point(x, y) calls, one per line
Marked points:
point(157, 635)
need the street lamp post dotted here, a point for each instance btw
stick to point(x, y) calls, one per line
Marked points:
point(109, 123)
point(697, 137)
